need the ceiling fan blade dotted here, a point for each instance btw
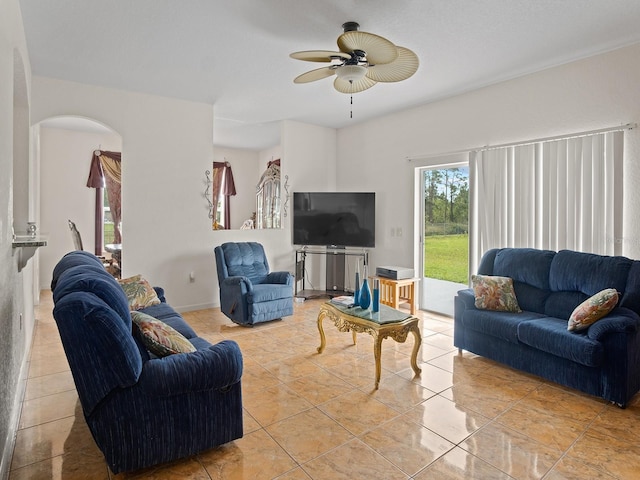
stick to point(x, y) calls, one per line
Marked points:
point(379, 50)
point(313, 75)
point(319, 55)
point(400, 69)
point(345, 86)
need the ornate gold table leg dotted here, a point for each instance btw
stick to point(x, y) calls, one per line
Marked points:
point(323, 340)
point(416, 346)
point(377, 354)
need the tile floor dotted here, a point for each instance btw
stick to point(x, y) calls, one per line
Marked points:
point(316, 416)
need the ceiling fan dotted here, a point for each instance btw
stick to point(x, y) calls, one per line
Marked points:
point(364, 59)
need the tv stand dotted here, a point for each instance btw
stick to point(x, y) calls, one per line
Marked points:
point(335, 270)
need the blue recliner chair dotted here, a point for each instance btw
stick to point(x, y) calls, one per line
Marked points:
point(249, 293)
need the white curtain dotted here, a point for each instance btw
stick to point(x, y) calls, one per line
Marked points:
point(562, 194)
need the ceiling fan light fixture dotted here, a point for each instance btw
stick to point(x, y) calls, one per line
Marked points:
point(351, 73)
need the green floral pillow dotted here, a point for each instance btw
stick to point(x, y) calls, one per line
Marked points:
point(139, 292)
point(160, 338)
point(494, 293)
point(593, 309)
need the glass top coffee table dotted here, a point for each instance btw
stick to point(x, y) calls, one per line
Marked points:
point(388, 322)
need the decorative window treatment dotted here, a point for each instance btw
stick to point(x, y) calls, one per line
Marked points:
point(106, 170)
point(222, 184)
point(561, 194)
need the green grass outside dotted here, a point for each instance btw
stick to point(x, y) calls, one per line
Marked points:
point(108, 233)
point(447, 257)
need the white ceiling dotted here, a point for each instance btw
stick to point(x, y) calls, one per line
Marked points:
point(235, 54)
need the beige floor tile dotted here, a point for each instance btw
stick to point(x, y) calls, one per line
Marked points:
point(274, 404)
point(65, 467)
point(401, 394)
point(353, 461)
point(295, 474)
point(367, 414)
point(406, 444)
point(555, 432)
point(256, 456)
point(623, 424)
point(444, 417)
point(187, 469)
point(320, 387)
point(607, 454)
point(459, 464)
point(46, 409)
point(42, 442)
point(569, 469)
point(292, 368)
point(308, 435)
point(49, 384)
point(305, 406)
point(511, 451)
point(433, 378)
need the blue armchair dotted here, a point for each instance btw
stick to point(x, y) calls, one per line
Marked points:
point(142, 410)
point(249, 293)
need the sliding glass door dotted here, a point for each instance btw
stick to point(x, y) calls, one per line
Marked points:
point(445, 235)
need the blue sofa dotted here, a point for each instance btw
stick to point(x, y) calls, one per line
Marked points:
point(141, 410)
point(603, 360)
point(249, 292)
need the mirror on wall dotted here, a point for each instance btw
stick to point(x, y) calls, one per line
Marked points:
point(245, 189)
point(268, 197)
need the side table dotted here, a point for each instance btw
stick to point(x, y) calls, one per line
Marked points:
point(388, 322)
point(393, 292)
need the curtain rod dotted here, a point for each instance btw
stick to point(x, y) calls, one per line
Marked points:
point(628, 126)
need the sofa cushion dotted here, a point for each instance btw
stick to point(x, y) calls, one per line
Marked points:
point(494, 293)
point(551, 335)
point(587, 272)
point(246, 259)
point(631, 297)
point(562, 304)
point(268, 292)
point(524, 265)
point(168, 315)
point(158, 337)
point(139, 292)
point(503, 325)
point(593, 309)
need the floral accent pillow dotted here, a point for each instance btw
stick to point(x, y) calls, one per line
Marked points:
point(139, 292)
point(494, 293)
point(593, 309)
point(159, 338)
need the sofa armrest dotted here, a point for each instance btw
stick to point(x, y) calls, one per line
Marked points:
point(160, 294)
point(620, 320)
point(243, 284)
point(283, 278)
point(467, 298)
point(216, 367)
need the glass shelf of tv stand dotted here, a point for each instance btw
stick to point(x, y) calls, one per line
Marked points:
point(301, 257)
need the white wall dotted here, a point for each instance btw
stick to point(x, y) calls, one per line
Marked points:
point(64, 166)
point(594, 93)
point(167, 146)
point(16, 292)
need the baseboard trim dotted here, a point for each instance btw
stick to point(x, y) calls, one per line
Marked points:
point(190, 308)
point(7, 454)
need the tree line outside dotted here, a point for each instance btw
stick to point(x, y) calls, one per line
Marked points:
point(446, 224)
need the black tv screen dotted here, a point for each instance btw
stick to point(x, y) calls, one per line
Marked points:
point(341, 219)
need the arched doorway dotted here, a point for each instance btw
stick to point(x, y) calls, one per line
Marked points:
point(66, 146)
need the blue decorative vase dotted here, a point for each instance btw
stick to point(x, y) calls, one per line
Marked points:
point(375, 306)
point(356, 289)
point(365, 294)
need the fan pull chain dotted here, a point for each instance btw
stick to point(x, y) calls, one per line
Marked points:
point(351, 112)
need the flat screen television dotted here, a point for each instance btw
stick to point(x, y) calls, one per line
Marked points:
point(335, 219)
